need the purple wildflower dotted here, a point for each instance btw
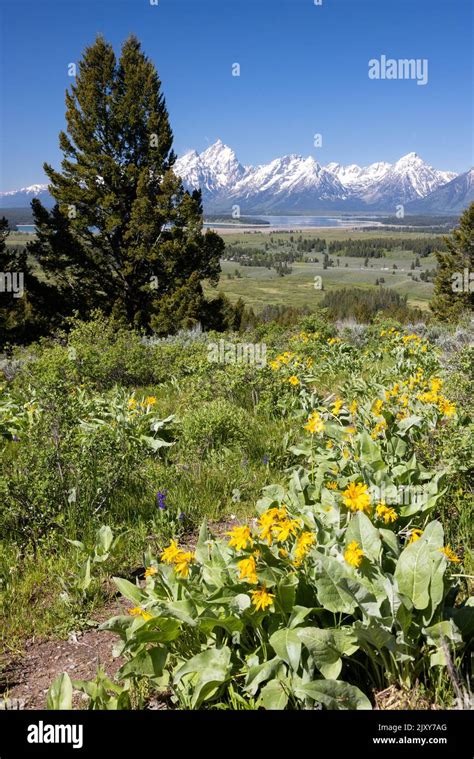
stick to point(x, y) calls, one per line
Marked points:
point(161, 499)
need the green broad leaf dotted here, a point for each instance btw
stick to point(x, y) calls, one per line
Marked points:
point(287, 645)
point(433, 534)
point(274, 696)
point(463, 617)
point(286, 592)
point(60, 693)
point(326, 648)
point(210, 669)
point(363, 531)
point(85, 579)
point(183, 610)
point(202, 547)
point(333, 694)
point(128, 590)
point(104, 539)
point(260, 673)
point(155, 443)
point(409, 422)
point(370, 450)
point(299, 614)
point(229, 624)
point(147, 663)
point(240, 603)
point(374, 635)
point(413, 573)
point(328, 584)
point(445, 630)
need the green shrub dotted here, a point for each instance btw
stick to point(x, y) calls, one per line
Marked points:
point(215, 424)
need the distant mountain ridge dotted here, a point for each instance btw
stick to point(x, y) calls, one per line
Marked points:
point(302, 185)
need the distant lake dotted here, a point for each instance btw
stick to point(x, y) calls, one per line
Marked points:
point(295, 222)
point(280, 222)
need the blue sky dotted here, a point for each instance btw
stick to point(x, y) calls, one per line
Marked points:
point(304, 70)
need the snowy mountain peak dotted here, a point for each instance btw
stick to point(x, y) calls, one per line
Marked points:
point(296, 183)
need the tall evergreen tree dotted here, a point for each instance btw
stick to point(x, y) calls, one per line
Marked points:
point(124, 235)
point(454, 282)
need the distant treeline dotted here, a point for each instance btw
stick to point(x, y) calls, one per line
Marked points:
point(17, 216)
point(376, 248)
point(363, 305)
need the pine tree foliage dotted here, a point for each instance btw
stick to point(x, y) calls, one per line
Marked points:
point(454, 283)
point(124, 235)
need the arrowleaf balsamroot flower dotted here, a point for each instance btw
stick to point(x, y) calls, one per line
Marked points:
point(150, 571)
point(139, 612)
point(293, 380)
point(357, 498)
point(336, 406)
point(239, 537)
point(285, 528)
point(169, 554)
point(182, 562)
point(415, 535)
point(386, 513)
point(354, 554)
point(377, 407)
point(303, 545)
point(261, 598)
point(248, 570)
point(314, 423)
point(450, 555)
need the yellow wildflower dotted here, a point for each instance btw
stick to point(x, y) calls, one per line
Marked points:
point(415, 535)
point(332, 485)
point(261, 598)
point(181, 563)
point(139, 612)
point(353, 407)
point(247, 568)
point(336, 406)
point(354, 554)
point(239, 537)
point(446, 407)
point(377, 407)
point(150, 400)
point(275, 365)
point(303, 545)
point(356, 497)
point(329, 444)
point(386, 513)
point(150, 571)
point(378, 429)
point(132, 403)
point(334, 340)
point(285, 528)
point(170, 553)
point(450, 555)
point(293, 380)
point(314, 423)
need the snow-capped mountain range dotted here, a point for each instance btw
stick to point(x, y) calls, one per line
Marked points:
point(296, 184)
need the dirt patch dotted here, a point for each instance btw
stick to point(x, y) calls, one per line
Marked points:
point(26, 680)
